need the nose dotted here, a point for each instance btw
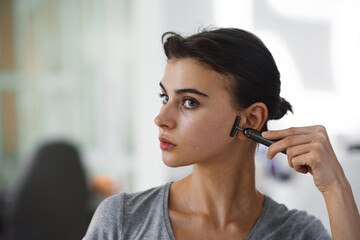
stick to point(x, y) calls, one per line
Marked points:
point(165, 119)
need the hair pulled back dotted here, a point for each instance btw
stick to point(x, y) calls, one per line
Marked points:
point(240, 55)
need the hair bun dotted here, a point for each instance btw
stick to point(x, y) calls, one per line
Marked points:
point(284, 107)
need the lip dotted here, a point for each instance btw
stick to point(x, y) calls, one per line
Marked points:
point(165, 144)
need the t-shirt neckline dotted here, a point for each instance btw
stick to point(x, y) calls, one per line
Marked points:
point(168, 223)
point(166, 212)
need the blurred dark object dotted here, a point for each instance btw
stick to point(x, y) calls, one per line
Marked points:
point(1, 216)
point(51, 199)
point(355, 147)
point(4, 203)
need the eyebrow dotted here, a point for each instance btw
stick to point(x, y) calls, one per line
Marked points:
point(185, 90)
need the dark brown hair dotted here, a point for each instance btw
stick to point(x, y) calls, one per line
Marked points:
point(243, 57)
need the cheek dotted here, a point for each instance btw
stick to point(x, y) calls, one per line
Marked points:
point(206, 135)
point(200, 137)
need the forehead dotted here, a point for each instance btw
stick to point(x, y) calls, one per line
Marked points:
point(189, 73)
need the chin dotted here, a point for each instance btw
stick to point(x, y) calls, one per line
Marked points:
point(174, 163)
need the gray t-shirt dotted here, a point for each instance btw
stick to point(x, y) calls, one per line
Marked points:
point(144, 215)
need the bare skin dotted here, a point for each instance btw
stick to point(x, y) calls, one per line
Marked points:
point(219, 199)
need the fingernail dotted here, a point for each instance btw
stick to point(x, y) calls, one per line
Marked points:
point(265, 134)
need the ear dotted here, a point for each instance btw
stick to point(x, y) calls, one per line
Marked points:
point(253, 117)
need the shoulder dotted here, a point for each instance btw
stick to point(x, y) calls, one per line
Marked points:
point(119, 215)
point(148, 208)
point(144, 200)
point(278, 222)
point(106, 222)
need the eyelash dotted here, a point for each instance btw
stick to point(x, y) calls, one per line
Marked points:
point(162, 96)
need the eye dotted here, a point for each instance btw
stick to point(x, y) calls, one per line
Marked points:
point(190, 103)
point(164, 98)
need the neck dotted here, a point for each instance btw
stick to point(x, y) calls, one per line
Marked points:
point(223, 190)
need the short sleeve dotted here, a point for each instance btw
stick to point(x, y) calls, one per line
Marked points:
point(107, 220)
point(314, 230)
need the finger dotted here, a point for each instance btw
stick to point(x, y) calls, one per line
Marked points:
point(302, 169)
point(302, 163)
point(287, 143)
point(280, 134)
point(297, 151)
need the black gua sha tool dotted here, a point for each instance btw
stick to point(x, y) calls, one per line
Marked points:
point(252, 134)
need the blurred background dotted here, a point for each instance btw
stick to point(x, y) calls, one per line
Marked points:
point(87, 72)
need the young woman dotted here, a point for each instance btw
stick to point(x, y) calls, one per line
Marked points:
point(211, 78)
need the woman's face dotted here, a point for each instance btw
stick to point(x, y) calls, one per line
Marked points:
point(196, 117)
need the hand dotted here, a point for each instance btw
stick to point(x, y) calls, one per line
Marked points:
point(309, 150)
